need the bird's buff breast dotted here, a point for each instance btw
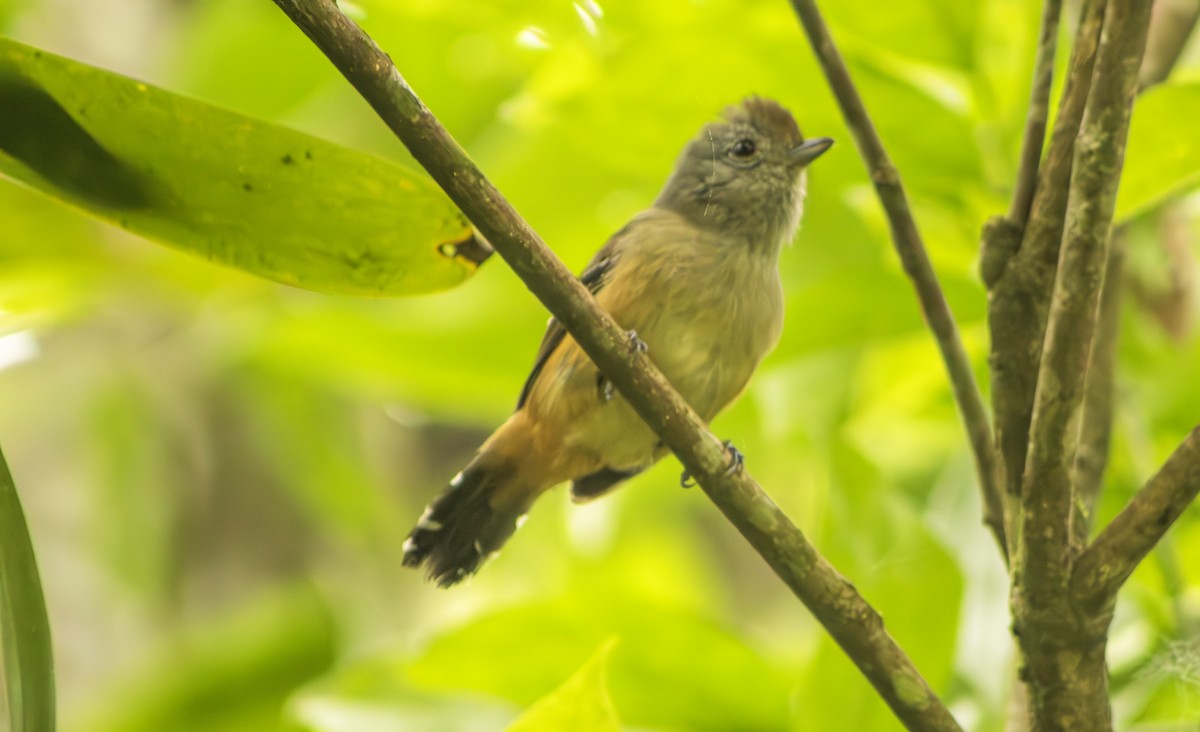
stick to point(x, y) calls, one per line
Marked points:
point(706, 336)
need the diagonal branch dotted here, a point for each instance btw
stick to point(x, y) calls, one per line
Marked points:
point(834, 601)
point(908, 244)
point(1121, 546)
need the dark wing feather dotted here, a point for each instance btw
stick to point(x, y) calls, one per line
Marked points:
point(598, 483)
point(594, 277)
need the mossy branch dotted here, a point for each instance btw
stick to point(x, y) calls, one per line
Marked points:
point(1116, 552)
point(1050, 625)
point(1020, 259)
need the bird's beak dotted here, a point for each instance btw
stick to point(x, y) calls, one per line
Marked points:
point(809, 150)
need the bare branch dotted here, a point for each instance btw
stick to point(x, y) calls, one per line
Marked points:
point(834, 601)
point(1039, 112)
point(908, 244)
point(1107, 563)
point(1171, 25)
point(1095, 431)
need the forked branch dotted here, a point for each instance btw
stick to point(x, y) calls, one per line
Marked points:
point(1116, 552)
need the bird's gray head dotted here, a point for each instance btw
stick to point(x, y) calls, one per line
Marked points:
point(744, 176)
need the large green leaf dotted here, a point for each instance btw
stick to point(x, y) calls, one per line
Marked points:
point(582, 703)
point(253, 195)
point(725, 683)
point(27, 669)
point(1163, 156)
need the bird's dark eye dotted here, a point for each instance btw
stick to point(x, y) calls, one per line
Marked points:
point(743, 148)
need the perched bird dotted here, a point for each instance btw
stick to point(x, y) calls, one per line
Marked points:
point(696, 277)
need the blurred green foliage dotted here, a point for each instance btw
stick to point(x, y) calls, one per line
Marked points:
point(581, 703)
point(218, 471)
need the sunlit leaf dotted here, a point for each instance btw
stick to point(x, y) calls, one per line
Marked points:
point(249, 194)
point(725, 684)
point(581, 704)
point(1163, 154)
point(26, 662)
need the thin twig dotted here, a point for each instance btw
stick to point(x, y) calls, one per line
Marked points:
point(908, 244)
point(1095, 430)
point(833, 600)
point(1171, 25)
point(1036, 118)
point(1107, 563)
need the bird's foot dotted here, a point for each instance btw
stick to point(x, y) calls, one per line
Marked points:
point(639, 346)
point(736, 463)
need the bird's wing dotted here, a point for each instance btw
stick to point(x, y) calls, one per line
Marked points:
point(594, 277)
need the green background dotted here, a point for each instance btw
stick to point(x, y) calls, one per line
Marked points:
point(218, 471)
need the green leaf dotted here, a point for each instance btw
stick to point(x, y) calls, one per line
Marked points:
point(252, 195)
point(1163, 155)
point(726, 683)
point(582, 703)
point(28, 665)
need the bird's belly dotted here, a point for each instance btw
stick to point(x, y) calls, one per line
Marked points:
point(614, 435)
point(708, 347)
point(706, 319)
point(706, 362)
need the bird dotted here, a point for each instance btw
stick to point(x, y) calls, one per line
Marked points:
point(695, 280)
